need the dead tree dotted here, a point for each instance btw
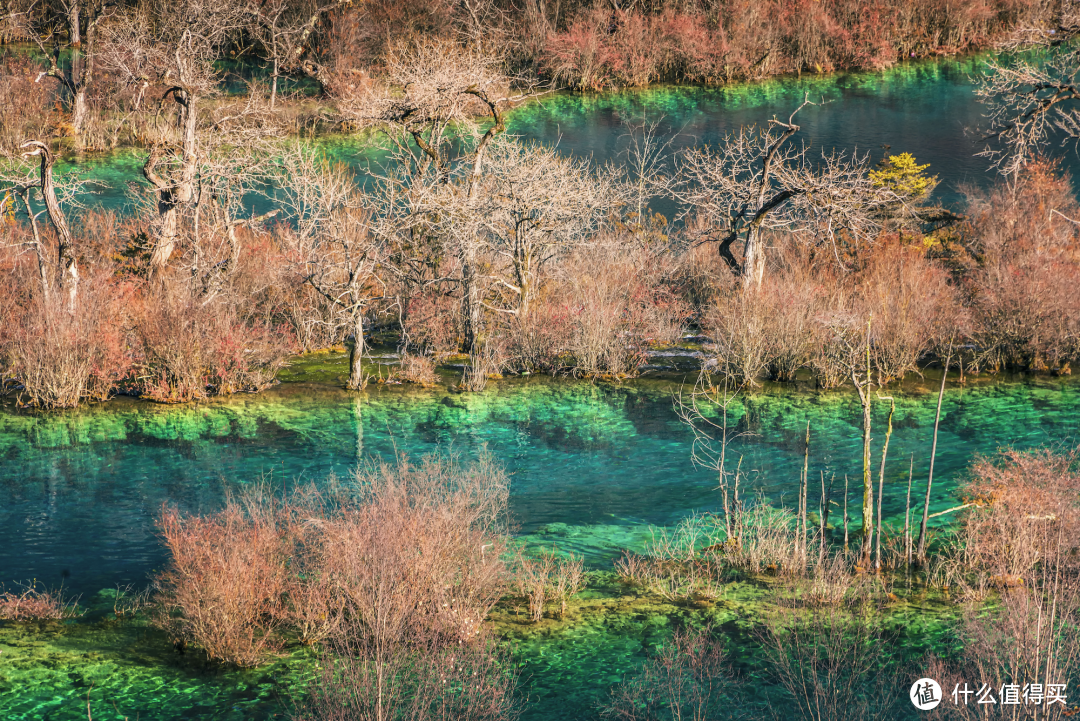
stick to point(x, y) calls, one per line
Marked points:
point(534, 205)
point(339, 242)
point(1030, 103)
point(173, 45)
point(756, 180)
point(20, 180)
point(284, 30)
point(705, 411)
point(76, 74)
point(440, 106)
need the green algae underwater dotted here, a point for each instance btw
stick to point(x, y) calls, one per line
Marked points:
point(594, 467)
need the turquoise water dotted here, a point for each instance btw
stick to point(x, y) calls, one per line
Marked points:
point(593, 466)
point(925, 108)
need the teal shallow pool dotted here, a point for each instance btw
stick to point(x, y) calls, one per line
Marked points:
point(593, 466)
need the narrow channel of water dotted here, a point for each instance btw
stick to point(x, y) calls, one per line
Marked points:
point(925, 108)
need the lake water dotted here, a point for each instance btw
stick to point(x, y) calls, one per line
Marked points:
point(594, 465)
point(924, 108)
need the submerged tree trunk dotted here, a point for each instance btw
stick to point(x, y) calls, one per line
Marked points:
point(881, 486)
point(920, 554)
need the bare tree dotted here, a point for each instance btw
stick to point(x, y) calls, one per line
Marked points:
point(535, 204)
point(284, 29)
point(340, 241)
point(705, 411)
point(430, 106)
point(1031, 102)
point(20, 178)
point(174, 45)
point(77, 72)
point(756, 180)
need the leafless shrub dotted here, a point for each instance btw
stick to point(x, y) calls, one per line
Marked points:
point(767, 541)
point(63, 358)
point(1024, 242)
point(225, 581)
point(912, 304)
point(418, 369)
point(548, 577)
point(191, 349)
point(1024, 517)
point(485, 363)
point(830, 665)
point(1029, 640)
point(616, 309)
point(363, 681)
point(35, 604)
point(689, 678)
point(401, 552)
point(27, 108)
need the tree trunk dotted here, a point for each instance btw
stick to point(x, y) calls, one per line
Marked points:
point(868, 484)
point(920, 554)
point(74, 23)
point(356, 372)
point(273, 85)
point(470, 305)
point(79, 111)
point(881, 487)
point(172, 195)
point(68, 265)
point(753, 259)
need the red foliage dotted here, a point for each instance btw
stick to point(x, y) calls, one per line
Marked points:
point(746, 40)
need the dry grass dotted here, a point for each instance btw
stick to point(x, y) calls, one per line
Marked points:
point(418, 369)
point(547, 577)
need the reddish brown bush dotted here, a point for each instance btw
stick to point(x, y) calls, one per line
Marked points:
point(35, 604)
point(1026, 516)
point(191, 349)
point(28, 109)
point(601, 47)
point(430, 325)
point(911, 306)
point(1027, 249)
point(223, 588)
point(619, 303)
point(62, 358)
point(418, 369)
point(400, 554)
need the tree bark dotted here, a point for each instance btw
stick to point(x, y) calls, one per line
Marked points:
point(356, 355)
point(67, 263)
point(881, 487)
point(470, 304)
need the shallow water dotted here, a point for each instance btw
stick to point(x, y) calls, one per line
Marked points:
point(593, 465)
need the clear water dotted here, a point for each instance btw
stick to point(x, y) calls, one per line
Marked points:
point(925, 108)
point(593, 465)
